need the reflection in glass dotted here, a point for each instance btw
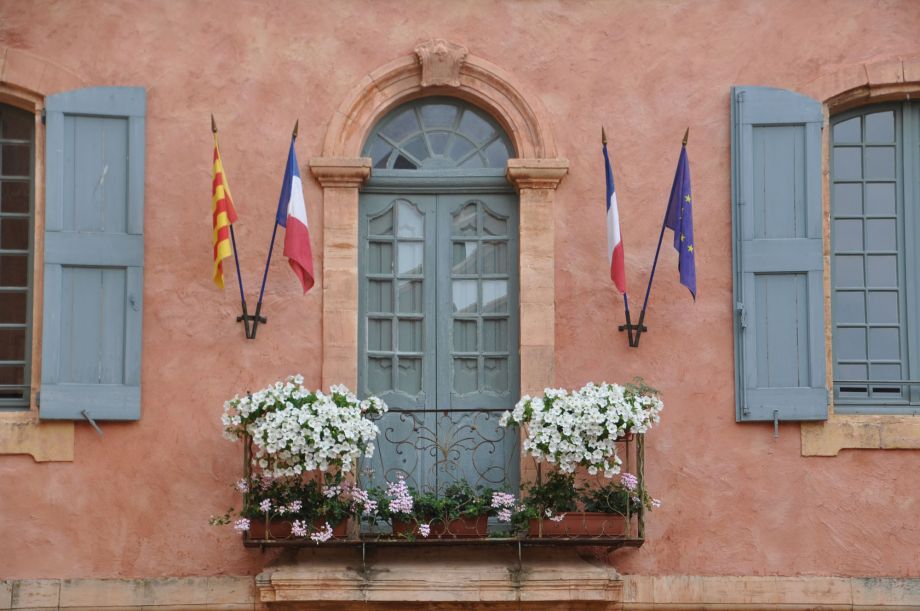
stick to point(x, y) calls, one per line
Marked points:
point(464, 257)
point(410, 258)
point(465, 296)
point(494, 295)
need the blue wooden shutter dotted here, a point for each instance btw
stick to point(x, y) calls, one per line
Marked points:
point(94, 254)
point(778, 258)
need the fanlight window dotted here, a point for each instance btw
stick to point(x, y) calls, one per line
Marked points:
point(437, 134)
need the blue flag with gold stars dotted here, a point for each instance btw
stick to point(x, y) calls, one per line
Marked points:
point(680, 219)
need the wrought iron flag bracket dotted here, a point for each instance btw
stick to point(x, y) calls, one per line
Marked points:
point(634, 331)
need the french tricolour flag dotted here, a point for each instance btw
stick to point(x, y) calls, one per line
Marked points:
point(615, 255)
point(292, 215)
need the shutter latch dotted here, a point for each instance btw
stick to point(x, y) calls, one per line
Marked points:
point(739, 306)
point(92, 422)
point(775, 424)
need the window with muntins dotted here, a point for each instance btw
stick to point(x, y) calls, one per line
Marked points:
point(17, 153)
point(874, 229)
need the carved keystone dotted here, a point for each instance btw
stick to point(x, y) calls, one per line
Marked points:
point(441, 62)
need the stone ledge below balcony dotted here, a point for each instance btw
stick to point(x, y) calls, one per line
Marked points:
point(415, 579)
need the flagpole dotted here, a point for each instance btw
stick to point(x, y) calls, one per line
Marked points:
point(271, 248)
point(648, 289)
point(239, 278)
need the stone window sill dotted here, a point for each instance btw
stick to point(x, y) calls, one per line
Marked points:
point(23, 433)
point(862, 432)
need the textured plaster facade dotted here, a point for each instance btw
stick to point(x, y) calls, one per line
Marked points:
point(737, 501)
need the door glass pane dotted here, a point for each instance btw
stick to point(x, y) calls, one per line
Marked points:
point(410, 296)
point(880, 162)
point(410, 258)
point(850, 343)
point(410, 375)
point(850, 307)
point(465, 298)
point(881, 234)
point(848, 199)
point(848, 235)
point(493, 225)
point(465, 372)
point(411, 221)
point(884, 343)
point(379, 374)
point(882, 270)
point(380, 334)
point(465, 221)
point(847, 163)
point(380, 258)
point(410, 335)
point(495, 335)
point(883, 307)
point(494, 258)
point(464, 257)
point(848, 132)
point(383, 224)
point(379, 296)
point(465, 336)
point(496, 374)
point(494, 295)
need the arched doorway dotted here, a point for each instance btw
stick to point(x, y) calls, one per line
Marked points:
point(438, 320)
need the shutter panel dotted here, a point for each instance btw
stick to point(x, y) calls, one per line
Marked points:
point(778, 260)
point(94, 254)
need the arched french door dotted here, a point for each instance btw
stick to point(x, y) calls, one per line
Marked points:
point(438, 328)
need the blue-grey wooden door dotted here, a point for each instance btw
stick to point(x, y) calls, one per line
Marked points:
point(438, 335)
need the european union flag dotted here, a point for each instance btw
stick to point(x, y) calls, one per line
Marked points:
point(680, 219)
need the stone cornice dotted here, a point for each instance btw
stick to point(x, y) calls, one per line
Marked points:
point(537, 173)
point(347, 172)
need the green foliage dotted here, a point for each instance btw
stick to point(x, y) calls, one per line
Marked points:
point(556, 494)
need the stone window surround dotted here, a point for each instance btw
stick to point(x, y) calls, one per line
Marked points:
point(849, 87)
point(439, 68)
point(25, 81)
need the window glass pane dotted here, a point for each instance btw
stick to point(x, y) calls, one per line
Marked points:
point(850, 343)
point(410, 375)
point(883, 307)
point(16, 160)
point(494, 295)
point(401, 126)
point(850, 307)
point(474, 161)
point(379, 374)
point(880, 162)
point(848, 235)
point(848, 271)
point(410, 258)
point(411, 221)
point(460, 148)
point(495, 372)
point(475, 127)
point(848, 199)
point(495, 335)
point(847, 163)
point(465, 375)
point(16, 124)
point(403, 163)
point(464, 257)
point(379, 296)
point(410, 335)
point(14, 233)
point(13, 375)
point(880, 198)
point(417, 148)
point(380, 258)
point(880, 127)
point(848, 131)
point(881, 234)
point(410, 296)
point(882, 270)
point(884, 343)
point(465, 336)
point(438, 115)
point(14, 196)
point(382, 225)
point(12, 344)
point(380, 334)
point(379, 150)
point(465, 296)
point(496, 153)
point(438, 142)
point(14, 270)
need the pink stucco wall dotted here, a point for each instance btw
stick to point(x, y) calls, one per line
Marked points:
point(736, 501)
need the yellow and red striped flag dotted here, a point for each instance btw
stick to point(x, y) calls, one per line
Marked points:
point(224, 214)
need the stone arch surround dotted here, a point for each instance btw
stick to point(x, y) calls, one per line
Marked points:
point(439, 67)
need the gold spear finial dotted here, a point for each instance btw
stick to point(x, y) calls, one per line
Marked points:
point(686, 136)
point(213, 124)
point(603, 135)
point(296, 125)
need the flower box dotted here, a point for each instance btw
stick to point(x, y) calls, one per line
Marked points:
point(461, 528)
point(580, 524)
point(281, 529)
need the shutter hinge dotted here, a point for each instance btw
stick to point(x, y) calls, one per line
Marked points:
point(92, 422)
point(742, 315)
point(44, 117)
point(38, 399)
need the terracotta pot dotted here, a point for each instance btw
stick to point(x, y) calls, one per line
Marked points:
point(461, 528)
point(580, 524)
point(281, 529)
